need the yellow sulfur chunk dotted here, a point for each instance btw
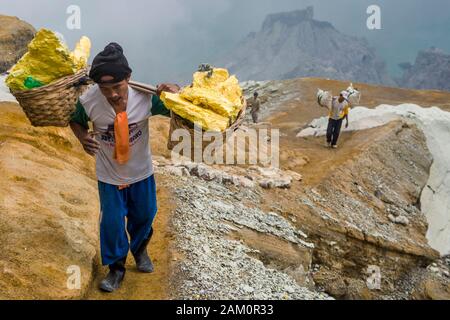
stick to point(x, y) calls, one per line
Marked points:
point(46, 60)
point(202, 80)
point(81, 53)
point(231, 90)
point(210, 99)
point(213, 100)
point(207, 119)
point(216, 91)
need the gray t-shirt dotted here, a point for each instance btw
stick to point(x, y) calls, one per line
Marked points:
point(338, 109)
point(102, 114)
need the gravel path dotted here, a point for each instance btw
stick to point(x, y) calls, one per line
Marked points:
point(215, 267)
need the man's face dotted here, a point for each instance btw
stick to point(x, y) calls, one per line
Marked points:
point(341, 99)
point(115, 93)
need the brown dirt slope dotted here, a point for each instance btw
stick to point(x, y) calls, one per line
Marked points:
point(49, 209)
point(49, 217)
point(341, 199)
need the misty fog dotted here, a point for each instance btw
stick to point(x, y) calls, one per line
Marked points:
point(165, 40)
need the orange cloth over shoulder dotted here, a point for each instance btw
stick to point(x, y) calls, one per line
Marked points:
point(122, 138)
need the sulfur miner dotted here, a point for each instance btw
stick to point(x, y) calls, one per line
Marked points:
point(124, 168)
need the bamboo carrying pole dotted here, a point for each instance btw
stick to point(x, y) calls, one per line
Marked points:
point(146, 88)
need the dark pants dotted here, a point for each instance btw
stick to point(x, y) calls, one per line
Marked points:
point(333, 131)
point(255, 117)
point(132, 209)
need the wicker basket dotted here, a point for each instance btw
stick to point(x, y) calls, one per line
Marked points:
point(53, 104)
point(179, 123)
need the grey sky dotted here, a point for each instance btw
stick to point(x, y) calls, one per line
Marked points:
point(165, 40)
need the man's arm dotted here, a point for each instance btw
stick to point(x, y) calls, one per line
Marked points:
point(80, 127)
point(158, 107)
point(347, 111)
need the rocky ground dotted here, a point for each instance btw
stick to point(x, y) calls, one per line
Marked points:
point(308, 230)
point(368, 207)
point(218, 234)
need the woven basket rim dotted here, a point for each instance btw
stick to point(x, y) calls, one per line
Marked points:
point(64, 81)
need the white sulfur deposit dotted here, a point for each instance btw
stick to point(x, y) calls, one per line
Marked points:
point(435, 124)
point(5, 95)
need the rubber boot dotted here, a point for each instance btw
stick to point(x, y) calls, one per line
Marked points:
point(115, 276)
point(143, 261)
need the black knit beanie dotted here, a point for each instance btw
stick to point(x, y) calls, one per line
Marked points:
point(110, 62)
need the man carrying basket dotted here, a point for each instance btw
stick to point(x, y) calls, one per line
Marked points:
point(120, 144)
